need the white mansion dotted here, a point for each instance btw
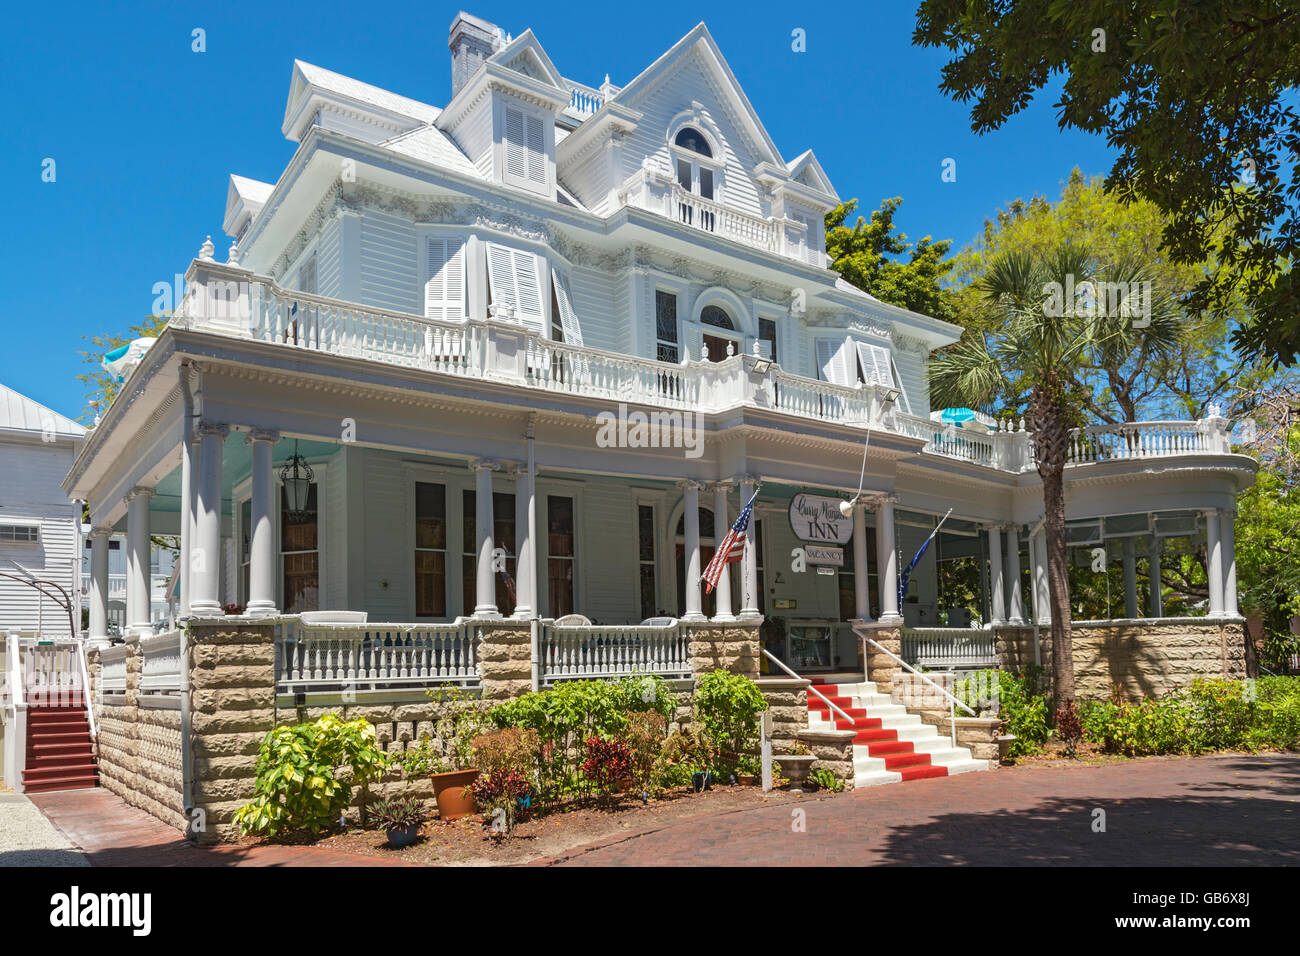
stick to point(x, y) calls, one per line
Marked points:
point(388, 400)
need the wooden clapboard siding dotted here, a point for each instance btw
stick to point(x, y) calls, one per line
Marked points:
point(390, 263)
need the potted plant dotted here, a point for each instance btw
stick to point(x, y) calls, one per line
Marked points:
point(400, 818)
point(795, 765)
point(451, 766)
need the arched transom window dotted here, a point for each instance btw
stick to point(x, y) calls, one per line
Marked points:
point(688, 137)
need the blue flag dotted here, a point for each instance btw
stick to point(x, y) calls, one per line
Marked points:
point(907, 573)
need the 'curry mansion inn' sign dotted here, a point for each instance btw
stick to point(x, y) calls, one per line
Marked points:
point(817, 520)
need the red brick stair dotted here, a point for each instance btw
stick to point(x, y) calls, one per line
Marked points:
point(60, 752)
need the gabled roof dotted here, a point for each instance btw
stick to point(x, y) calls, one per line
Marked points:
point(701, 40)
point(524, 54)
point(308, 79)
point(20, 413)
point(244, 200)
point(805, 169)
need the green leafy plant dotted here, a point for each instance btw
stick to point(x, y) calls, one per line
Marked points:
point(306, 773)
point(645, 735)
point(397, 813)
point(463, 718)
point(727, 708)
point(826, 779)
point(685, 753)
point(1016, 698)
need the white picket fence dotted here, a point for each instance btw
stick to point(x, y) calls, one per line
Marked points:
point(596, 651)
point(355, 657)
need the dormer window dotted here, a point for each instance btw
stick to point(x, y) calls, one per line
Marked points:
point(697, 170)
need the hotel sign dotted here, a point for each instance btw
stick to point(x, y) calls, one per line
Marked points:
point(816, 518)
point(820, 554)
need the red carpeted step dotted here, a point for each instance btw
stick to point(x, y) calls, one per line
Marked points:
point(920, 773)
point(76, 782)
point(59, 751)
point(878, 736)
point(858, 723)
point(899, 761)
point(880, 748)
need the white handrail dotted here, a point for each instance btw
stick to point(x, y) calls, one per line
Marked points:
point(913, 670)
point(829, 703)
point(85, 690)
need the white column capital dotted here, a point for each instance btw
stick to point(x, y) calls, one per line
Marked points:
point(205, 428)
point(139, 491)
point(102, 531)
point(484, 464)
point(722, 484)
point(692, 484)
point(881, 500)
point(268, 435)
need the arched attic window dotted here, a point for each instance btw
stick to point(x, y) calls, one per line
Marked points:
point(717, 316)
point(688, 137)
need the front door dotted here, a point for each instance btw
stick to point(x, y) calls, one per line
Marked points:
point(715, 347)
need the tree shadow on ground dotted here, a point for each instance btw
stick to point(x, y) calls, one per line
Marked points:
point(1145, 831)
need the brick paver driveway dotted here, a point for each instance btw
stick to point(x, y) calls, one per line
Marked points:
point(1224, 810)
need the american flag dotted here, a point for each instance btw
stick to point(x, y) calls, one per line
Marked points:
point(731, 549)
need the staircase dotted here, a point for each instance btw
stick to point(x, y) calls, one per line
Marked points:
point(60, 754)
point(891, 745)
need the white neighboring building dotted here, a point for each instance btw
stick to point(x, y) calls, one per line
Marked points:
point(40, 529)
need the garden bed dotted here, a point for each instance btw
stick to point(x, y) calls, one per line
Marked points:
point(471, 842)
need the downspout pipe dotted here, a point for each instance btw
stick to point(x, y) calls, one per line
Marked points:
point(187, 757)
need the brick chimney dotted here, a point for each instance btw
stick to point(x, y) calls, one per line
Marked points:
point(471, 41)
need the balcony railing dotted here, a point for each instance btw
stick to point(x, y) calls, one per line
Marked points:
point(357, 657)
point(948, 647)
point(596, 651)
point(234, 302)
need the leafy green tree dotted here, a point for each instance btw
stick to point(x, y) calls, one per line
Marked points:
point(1150, 378)
point(1198, 99)
point(1043, 337)
point(102, 386)
point(871, 257)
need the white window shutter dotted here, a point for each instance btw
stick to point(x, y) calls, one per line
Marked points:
point(516, 279)
point(444, 292)
point(835, 360)
point(693, 344)
point(875, 364)
point(536, 150)
point(568, 318)
point(516, 162)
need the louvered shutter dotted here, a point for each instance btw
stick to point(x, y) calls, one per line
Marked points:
point(516, 161)
point(694, 344)
point(444, 292)
point(516, 279)
point(875, 364)
point(835, 360)
point(568, 318)
point(536, 150)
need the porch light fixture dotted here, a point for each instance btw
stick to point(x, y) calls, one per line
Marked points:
point(296, 476)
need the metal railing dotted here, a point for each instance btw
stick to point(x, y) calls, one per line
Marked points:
point(811, 687)
point(953, 702)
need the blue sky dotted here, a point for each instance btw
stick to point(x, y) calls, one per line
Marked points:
point(144, 132)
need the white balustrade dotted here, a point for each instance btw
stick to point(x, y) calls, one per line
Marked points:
point(724, 221)
point(598, 651)
point(374, 656)
point(160, 666)
point(584, 101)
point(1137, 440)
point(948, 647)
point(112, 669)
point(949, 441)
point(51, 672)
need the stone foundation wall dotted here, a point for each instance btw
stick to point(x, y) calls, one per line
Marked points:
point(787, 702)
point(881, 668)
point(833, 750)
point(138, 750)
point(729, 647)
point(1141, 658)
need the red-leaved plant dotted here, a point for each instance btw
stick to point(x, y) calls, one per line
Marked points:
point(607, 762)
point(1069, 728)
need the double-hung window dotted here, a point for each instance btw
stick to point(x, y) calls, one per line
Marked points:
point(430, 549)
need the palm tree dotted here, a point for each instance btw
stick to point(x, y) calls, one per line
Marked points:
point(1031, 358)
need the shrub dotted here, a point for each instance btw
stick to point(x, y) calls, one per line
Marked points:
point(684, 753)
point(498, 792)
point(1222, 712)
point(397, 813)
point(823, 778)
point(644, 737)
point(1017, 699)
point(607, 762)
point(511, 748)
point(727, 708)
point(1068, 728)
point(298, 785)
point(1277, 714)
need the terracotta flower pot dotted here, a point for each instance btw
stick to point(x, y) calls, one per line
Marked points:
point(452, 792)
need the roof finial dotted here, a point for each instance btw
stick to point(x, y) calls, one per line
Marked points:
point(232, 257)
point(206, 250)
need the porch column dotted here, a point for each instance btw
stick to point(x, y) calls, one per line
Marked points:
point(691, 519)
point(1228, 534)
point(261, 548)
point(205, 558)
point(187, 526)
point(1214, 562)
point(99, 586)
point(486, 591)
point(139, 612)
point(722, 524)
point(997, 587)
point(1042, 593)
point(1153, 572)
point(887, 561)
point(861, 591)
point(1130, 579)
point(749, 563)
point(1015, 600)
point(525, 516)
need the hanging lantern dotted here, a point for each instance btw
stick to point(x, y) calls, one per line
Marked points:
point(296, 476)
